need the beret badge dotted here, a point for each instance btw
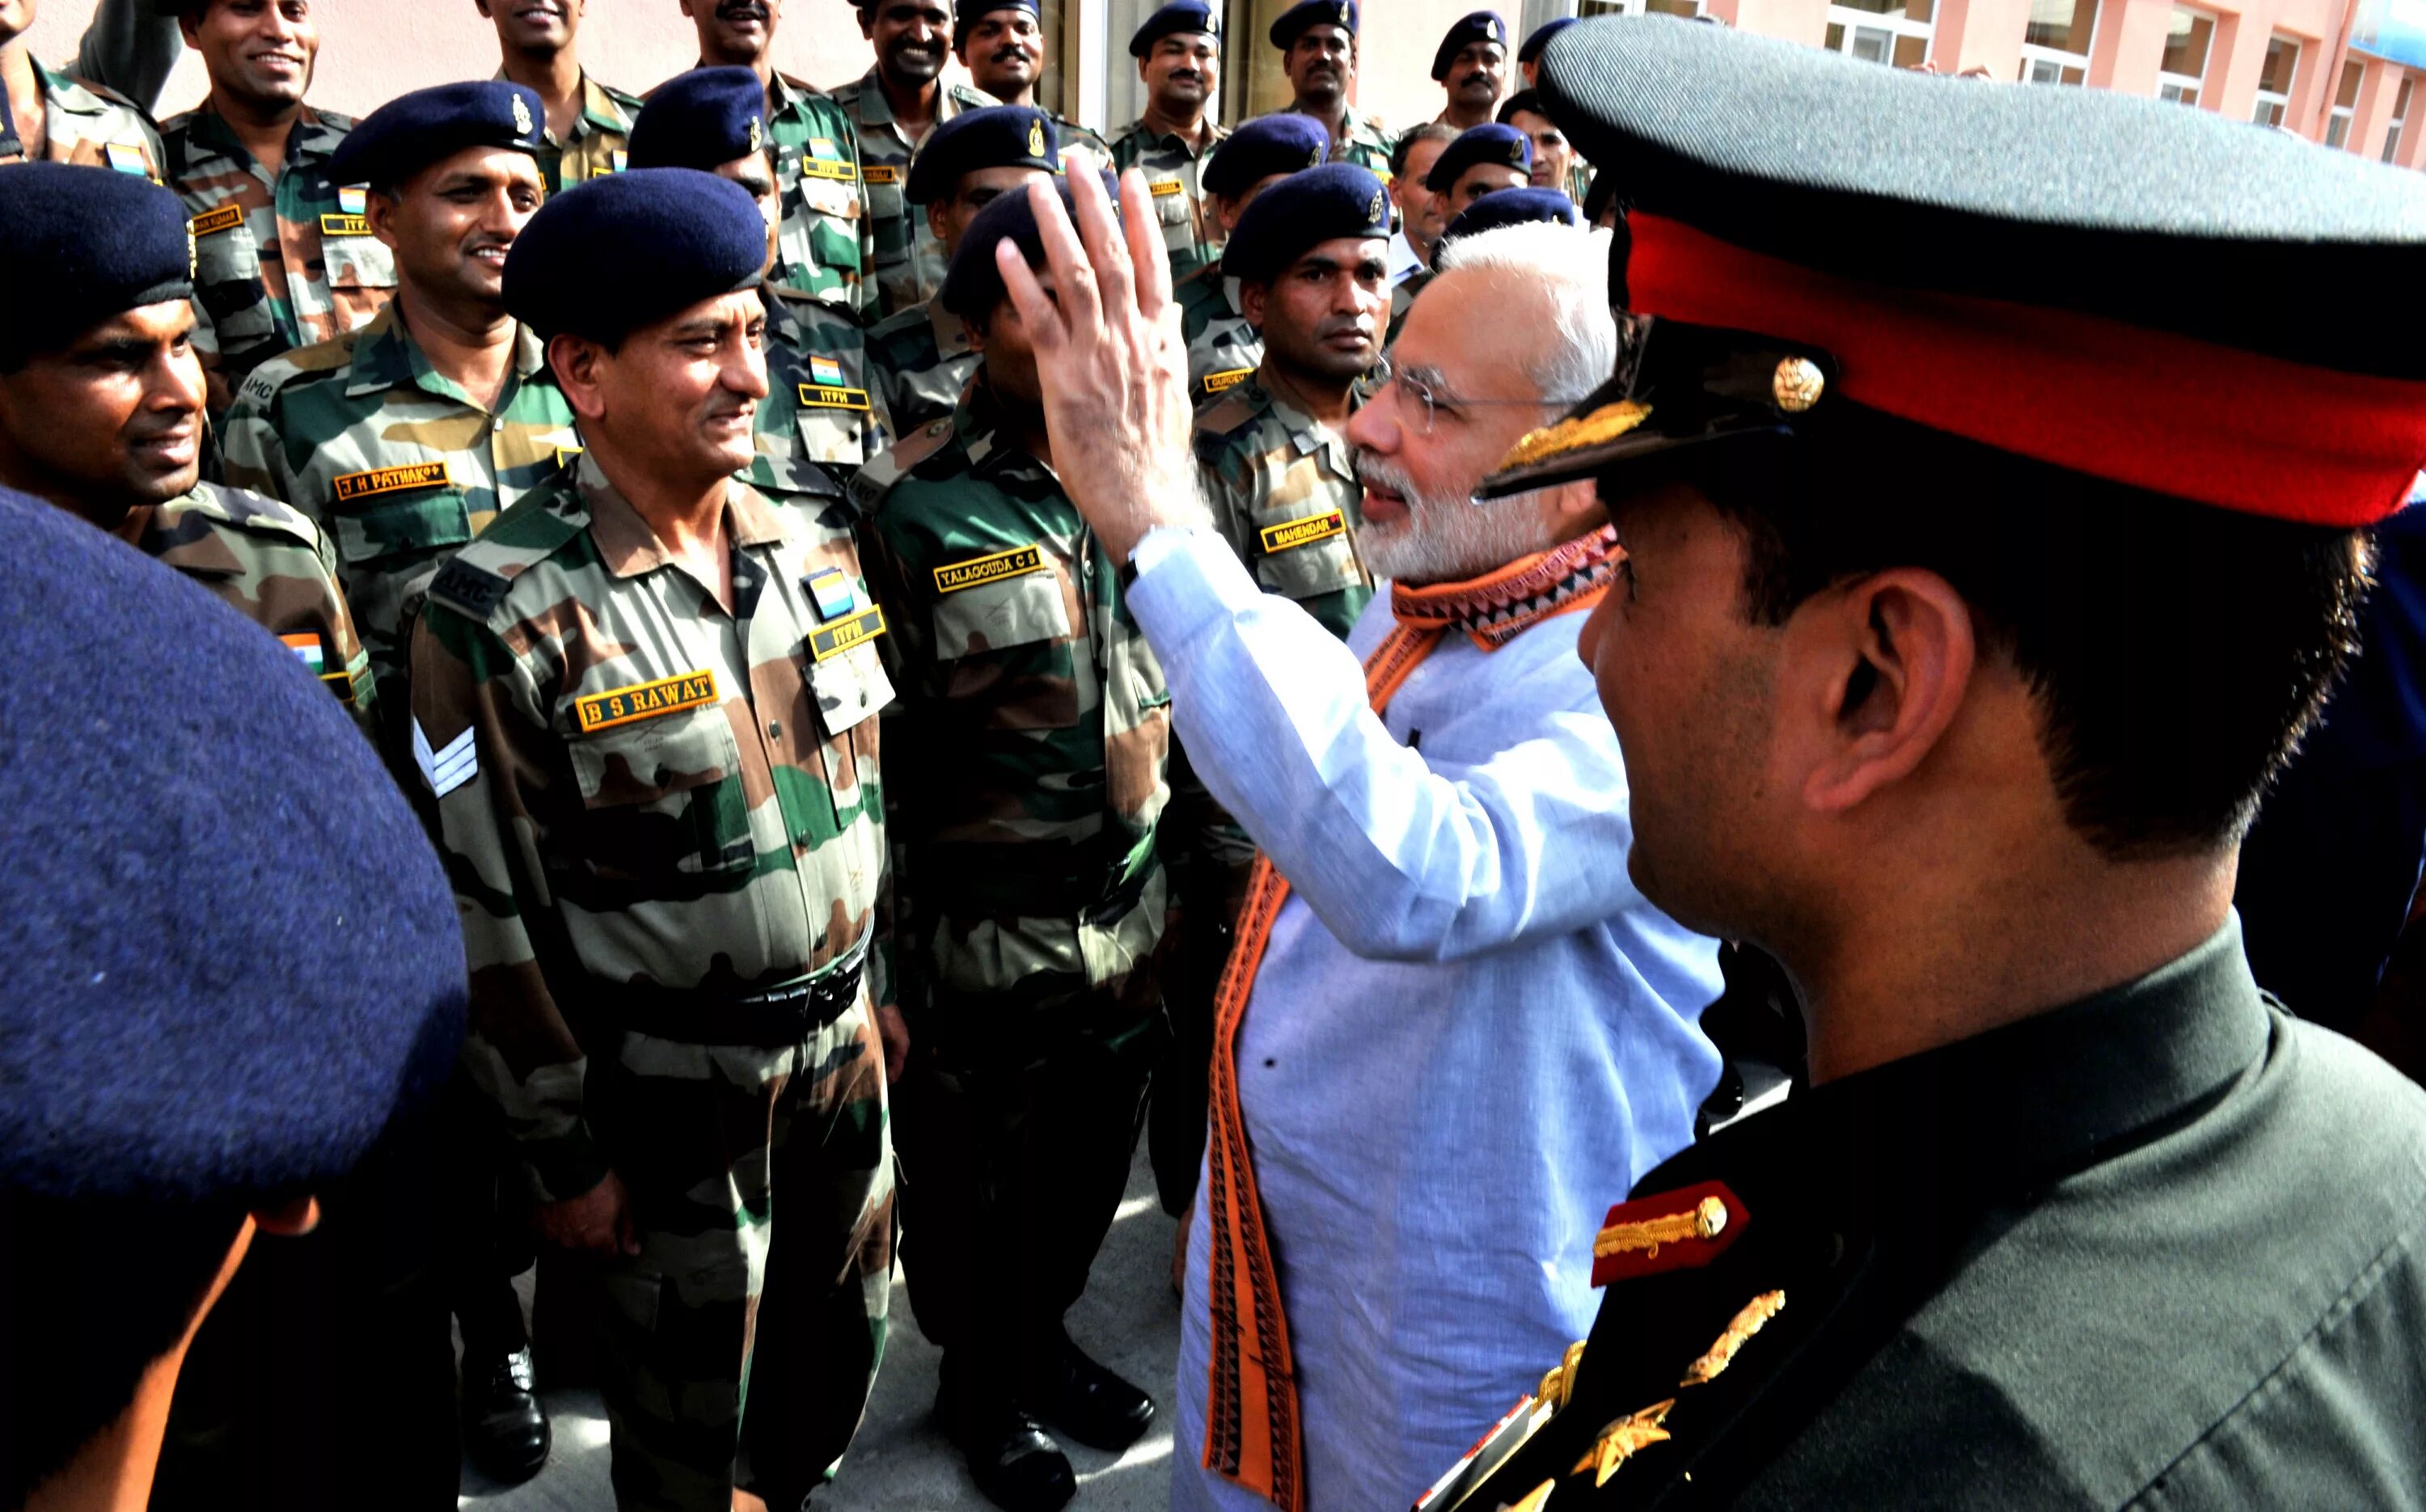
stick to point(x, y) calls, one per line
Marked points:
point(1797, 384)
point(1373, 211)
point(1345, 18)
point(757, 135)
point(1036, 138)
point(522, 116)
point(1516, 155)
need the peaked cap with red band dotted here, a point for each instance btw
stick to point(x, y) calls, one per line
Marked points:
point(2161, 298)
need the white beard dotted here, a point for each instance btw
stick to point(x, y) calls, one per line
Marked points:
point(1446, 540)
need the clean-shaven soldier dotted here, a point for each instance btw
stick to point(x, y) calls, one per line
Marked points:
point(1471, 67)
point(1178, 53)
point(1555, 163)
point(892, 107)
point(645, 701)
point(1001, 42)
point(923, 358)
point(283, 255)
point(1222, 349)
point(1419, 218)
point(50, 117)
point(828, 237)
point(1317, 43)
point(820, 405)
point(1483, 160)
point(588, 122)
point(1442, 905)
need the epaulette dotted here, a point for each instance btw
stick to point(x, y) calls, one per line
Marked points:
point(625, 97)
point(107, 95)
point(877, 477)
point(255, 514)
point(477, 579)
point(1227, 413)
point(335, 121)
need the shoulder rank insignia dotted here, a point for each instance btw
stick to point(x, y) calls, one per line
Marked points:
point(1749, 1320)
point(473, 590)
point(1623, 1438)
point(1672, 1231)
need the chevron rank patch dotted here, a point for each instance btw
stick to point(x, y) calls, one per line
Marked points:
point(449, 766)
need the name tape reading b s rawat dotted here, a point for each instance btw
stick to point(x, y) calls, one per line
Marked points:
point(645, 700)
point(1293, 533)
point(978, 571)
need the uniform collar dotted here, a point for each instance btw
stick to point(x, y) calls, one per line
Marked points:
point(67, 94)
point(994, 453)
point(1213, 136)
point(310, 139)
point(385, 356)
point(951, 332)
point(628, 547)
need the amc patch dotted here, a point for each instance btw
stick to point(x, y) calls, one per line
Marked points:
point(843, 634)
point(1224, 381)
point(352, 485)
point(645, 700)
point(1290, 534)
point(980, 570)
point(226, 218)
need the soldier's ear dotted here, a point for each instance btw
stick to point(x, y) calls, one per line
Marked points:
point(576, 362)
point(1251, 298)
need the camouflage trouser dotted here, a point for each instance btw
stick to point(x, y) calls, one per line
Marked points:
point(712, 1142)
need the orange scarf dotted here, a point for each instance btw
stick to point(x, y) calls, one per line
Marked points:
point(1252, 1431)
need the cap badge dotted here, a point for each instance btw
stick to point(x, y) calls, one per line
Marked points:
point(1343, 14)
point(1797, 384)
point(193, 256)
point(1373, 211)
point(521, 117)
point(1314, 159)
point(1516, 155)
point(757, 135)
point(1036, 138)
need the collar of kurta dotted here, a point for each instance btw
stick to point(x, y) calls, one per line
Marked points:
point(1502, 604)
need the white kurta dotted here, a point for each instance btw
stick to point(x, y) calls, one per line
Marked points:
point(1470, 1035)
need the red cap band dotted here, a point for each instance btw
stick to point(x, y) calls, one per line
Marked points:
point(2146, 408)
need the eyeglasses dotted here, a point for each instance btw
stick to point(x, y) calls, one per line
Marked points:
point(1431, 404)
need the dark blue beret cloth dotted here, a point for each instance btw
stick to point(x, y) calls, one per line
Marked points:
point(973, 286)
point(80, 245)
point(232, 954)
point(1304, 210)
point(969, 13)
point(609, 256)
point(1293, 22)
point(1489, 143)
point(1180, 18)
point(1284, 142)
point(1474, 26)
point(994, 136)
point(703, 119)
point(1541, 38)
point(1514, 207)
point(413, 131)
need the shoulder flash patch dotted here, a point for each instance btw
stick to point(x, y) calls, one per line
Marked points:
point(1683, 1229)
point(475, 591)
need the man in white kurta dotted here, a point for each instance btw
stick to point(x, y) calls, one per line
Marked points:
point(1468, 1034)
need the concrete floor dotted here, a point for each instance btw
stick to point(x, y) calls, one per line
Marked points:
point(898, 1463)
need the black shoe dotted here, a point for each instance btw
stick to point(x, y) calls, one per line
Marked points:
point(1015, 1463)
point(505, 1429)
point(1089, 1403)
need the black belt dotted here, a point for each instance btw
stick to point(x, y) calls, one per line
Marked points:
point(775, 1019)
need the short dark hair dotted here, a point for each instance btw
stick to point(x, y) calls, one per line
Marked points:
point(92, 1292)
point(1431, 131)
point(2177, 651)
point(1525, 100)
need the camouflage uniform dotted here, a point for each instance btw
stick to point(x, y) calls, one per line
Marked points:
point(828, 239)
point(1027, 778)
point(1579, 181)
point(1189, 232)
point(921, 361)
point(397, 464)
point(821, 405)
point(269, 564)
point(1366, 143)
point(1078, 140)
point(601, 132)
point(278, 262)
point(1223, 351)
point(907, 257)
point(666, 829)
point(88, 124)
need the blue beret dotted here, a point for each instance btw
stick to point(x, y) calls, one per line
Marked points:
point(993, 136)
point(1284, 142)
point(413, 131)
point(1293, 22)
point(80, 245)
point(1541, 38)
point(233, 954)
point(609, 256)
point(1474, 26)
point(1181, 16)
point(1491, 142)
point(968, 15)
point(1302, 210)
point(703, 119)
point(973, 286)
point(1513, 207)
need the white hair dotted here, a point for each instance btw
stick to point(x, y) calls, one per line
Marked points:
point(1570, 265)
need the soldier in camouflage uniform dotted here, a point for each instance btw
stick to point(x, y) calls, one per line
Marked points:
point(820, 406)
point(1222, 349)
point(1178, 51)
point(912, 39)
point(1028, 776)
point(283, 255)
point(828, 236)
point(47, 117)
point(651, 734)
point(1001, 42)
point(112, 258)
point(587, 124)
point(401, 460)
point(922, 358)
point(1317, 43)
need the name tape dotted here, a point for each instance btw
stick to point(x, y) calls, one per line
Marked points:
point(983, 570)
point(352, 485)
point(843, 634)
point(827, 397)
point(645, 700)
point(226, 218)
point(1290, 534)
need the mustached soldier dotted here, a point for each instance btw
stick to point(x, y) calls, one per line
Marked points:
point(1178, 53)
point(1223, 349)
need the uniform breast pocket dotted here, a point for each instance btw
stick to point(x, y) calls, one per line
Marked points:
point(1303, 553)
point(1171, 203)
point(662, 795)
point(227, 280)
point(884, 201)
point(850, 689)
point(828, 196)
point(375, 525)
point(362, 277)
point(1006, 648)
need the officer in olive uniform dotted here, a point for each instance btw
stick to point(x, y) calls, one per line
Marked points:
point(1000, 43)
point(1317, 43)
point(820, 406)
point(1222, 349)
point(649, 730)
point(912, 50)
point(1028, 776)
point(2074, 1216)
point(922, 356)
point(1178, 51)
point(284, 253)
